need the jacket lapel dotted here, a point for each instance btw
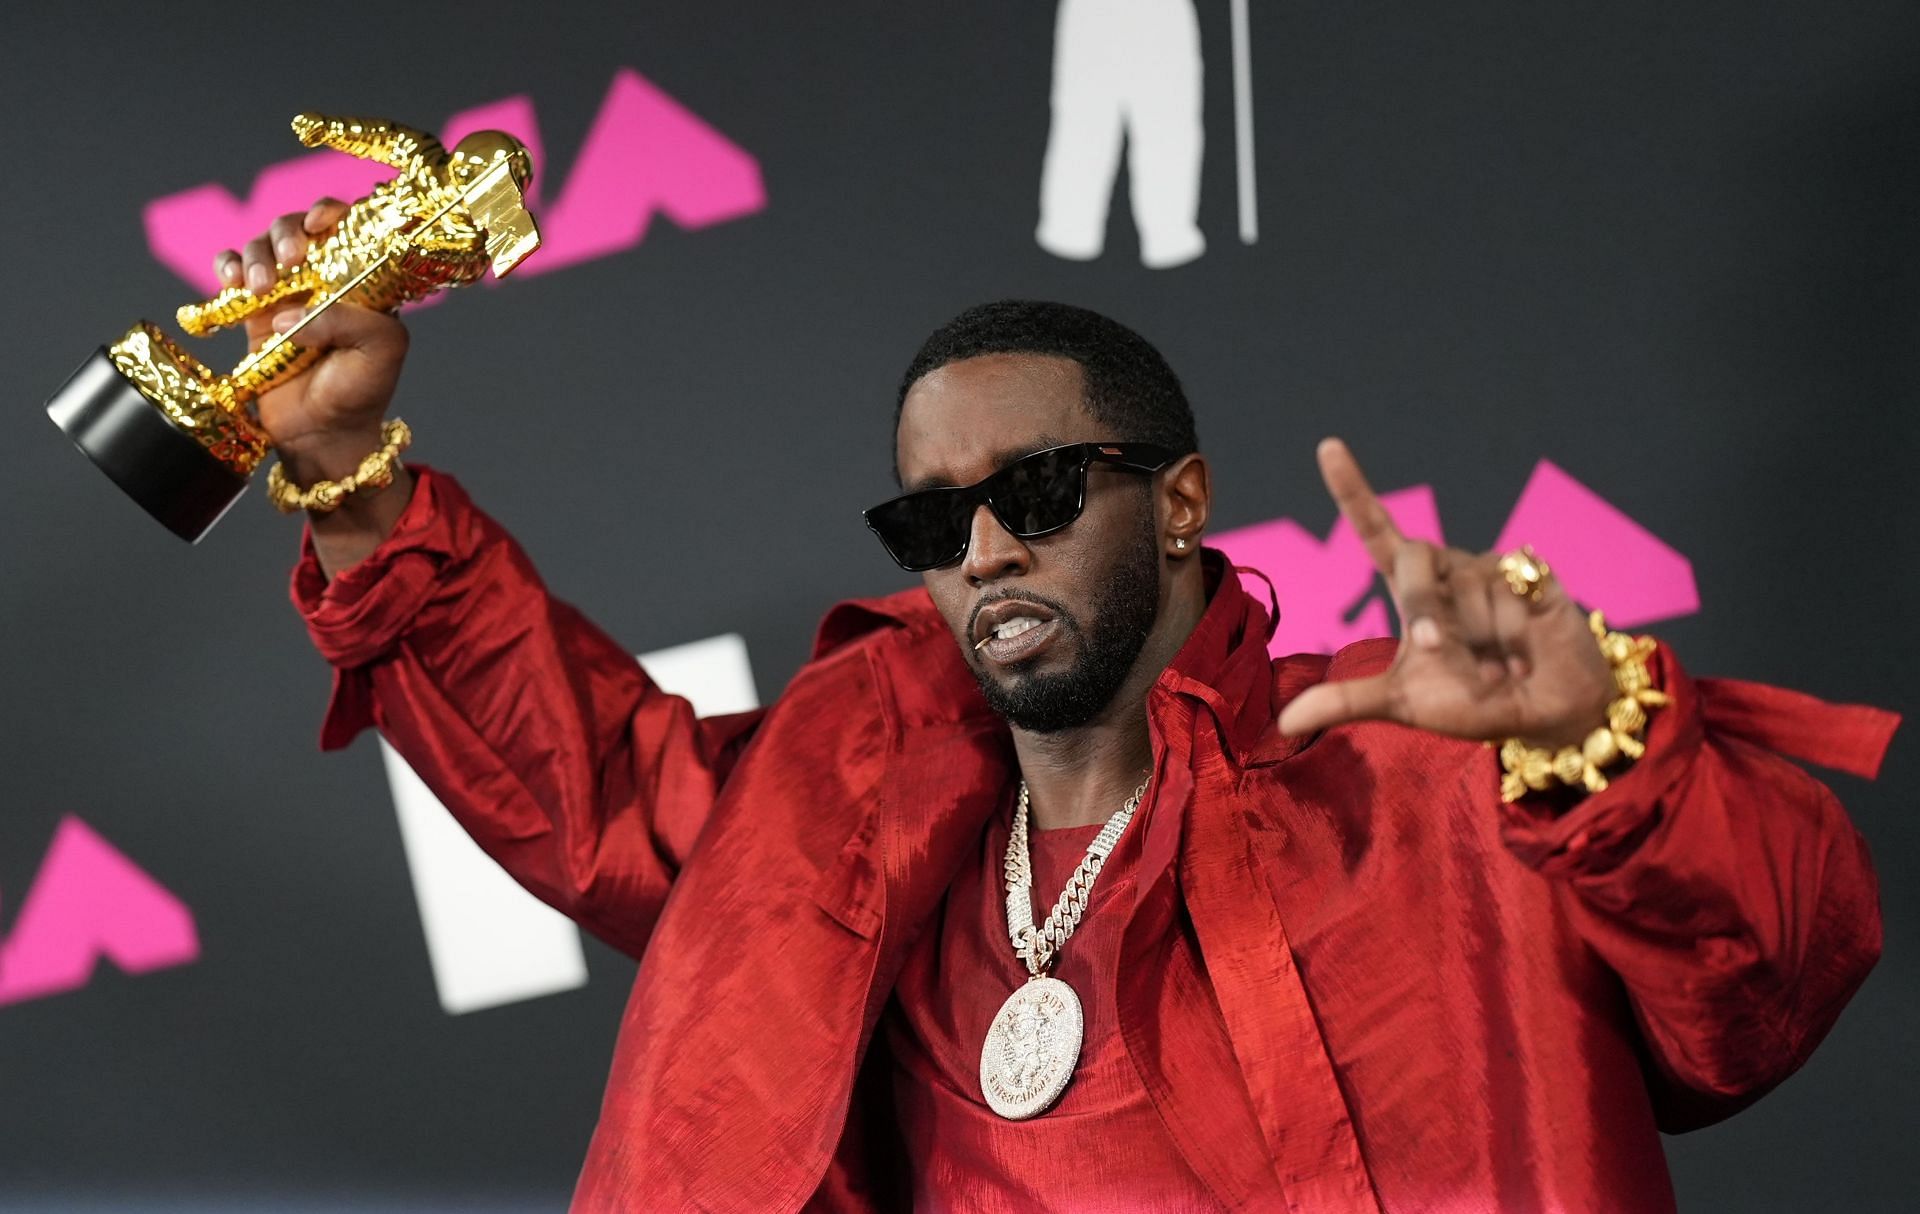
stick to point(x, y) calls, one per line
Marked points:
point(1276, 1037)
point(1210, 712)
point(949, 768)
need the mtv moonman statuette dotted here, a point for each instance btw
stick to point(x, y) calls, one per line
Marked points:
point(181, 440)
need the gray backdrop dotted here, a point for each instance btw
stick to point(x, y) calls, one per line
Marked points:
point(1669, 247)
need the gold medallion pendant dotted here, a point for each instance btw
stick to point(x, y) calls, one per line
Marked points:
point(1031, 1049)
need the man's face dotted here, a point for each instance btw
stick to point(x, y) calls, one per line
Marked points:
point(1063, 617)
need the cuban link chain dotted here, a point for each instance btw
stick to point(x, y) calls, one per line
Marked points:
point(1039, 946)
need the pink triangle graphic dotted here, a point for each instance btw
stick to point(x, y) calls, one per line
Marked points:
point(1603, 558)
point(1320, 581)
point(644, 153)
point(89, 901)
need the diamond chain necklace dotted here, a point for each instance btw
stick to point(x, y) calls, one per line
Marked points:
point(1034, 1041)
point(1038, 946)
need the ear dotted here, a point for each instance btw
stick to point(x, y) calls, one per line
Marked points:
point(1186, 499)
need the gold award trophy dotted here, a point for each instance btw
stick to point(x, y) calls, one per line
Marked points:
point(181, 440)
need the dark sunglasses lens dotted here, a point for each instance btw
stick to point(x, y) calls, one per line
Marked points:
point(922, 530)
point(1040, 493)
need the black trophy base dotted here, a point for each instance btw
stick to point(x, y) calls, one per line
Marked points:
point(165, 470)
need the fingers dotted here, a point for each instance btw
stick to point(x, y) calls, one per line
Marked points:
point(1478, 661)
point(257, 265)
point(288, 317)
point(1511, 615)
point(284, 243)
point(322, 215)
point(289, 237)
point(1329, 704)
point(1362, 509)
point(1446, 612)
point(1418, 579)
point(1473, 607)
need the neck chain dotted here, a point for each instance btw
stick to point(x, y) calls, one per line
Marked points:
point(1034, 1042)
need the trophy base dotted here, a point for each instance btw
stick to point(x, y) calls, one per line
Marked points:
point(170, 473)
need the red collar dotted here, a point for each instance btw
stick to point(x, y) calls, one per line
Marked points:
point(1224, 664)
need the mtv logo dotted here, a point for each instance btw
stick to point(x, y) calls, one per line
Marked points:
point(1605, 560)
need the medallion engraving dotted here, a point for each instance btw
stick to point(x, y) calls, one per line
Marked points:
point(1031, 1049)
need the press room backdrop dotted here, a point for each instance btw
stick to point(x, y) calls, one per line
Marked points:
point(1639, 282)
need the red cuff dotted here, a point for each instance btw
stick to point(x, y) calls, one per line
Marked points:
point(357, 618)
point(1604, 828)
point(1845, 737)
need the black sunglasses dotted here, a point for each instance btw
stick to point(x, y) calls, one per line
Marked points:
point(1033, 496)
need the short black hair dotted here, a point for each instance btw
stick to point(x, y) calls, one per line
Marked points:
point(1128, 385)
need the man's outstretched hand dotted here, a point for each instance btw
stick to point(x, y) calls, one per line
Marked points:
point(324, 421)
point(1476, 660)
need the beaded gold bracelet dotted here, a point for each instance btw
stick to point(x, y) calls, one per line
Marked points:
point(1536, 769)
point(322, 497)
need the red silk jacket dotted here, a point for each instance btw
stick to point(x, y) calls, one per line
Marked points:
point(1434, 1002)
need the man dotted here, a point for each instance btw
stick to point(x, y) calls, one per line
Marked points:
point(1299, 957)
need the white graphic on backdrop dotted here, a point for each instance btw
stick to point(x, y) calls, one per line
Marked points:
point(489, 941)
point(1124, 71)
point(1130, 71)
point(1243, 123)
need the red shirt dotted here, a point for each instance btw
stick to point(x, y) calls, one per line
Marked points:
point(1101, 1146)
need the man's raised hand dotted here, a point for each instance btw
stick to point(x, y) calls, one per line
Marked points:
point(324, 421)
point(1476, 660)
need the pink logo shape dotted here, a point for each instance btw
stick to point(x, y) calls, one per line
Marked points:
point(1603, 558)
point(89, 901)
point(1329, 596)
point(645, 152)
point(1320, 583)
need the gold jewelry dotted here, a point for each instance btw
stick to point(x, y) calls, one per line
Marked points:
point(322, 497)
point(1526, 573)
point(1535, 769)
point(1034, 1041)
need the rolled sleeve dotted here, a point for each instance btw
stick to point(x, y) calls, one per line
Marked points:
point(1723, 884)
point(358, 618)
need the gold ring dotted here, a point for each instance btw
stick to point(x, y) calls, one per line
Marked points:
point(1526, 573)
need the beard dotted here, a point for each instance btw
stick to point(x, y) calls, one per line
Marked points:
point(1122, 617)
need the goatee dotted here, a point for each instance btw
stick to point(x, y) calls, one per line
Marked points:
point(1121, 619)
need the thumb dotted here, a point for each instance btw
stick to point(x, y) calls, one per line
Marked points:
point(1330, 704)
point(347, 326)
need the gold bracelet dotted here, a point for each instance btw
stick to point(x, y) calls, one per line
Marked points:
point(322, 497)
point(1535, 769)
